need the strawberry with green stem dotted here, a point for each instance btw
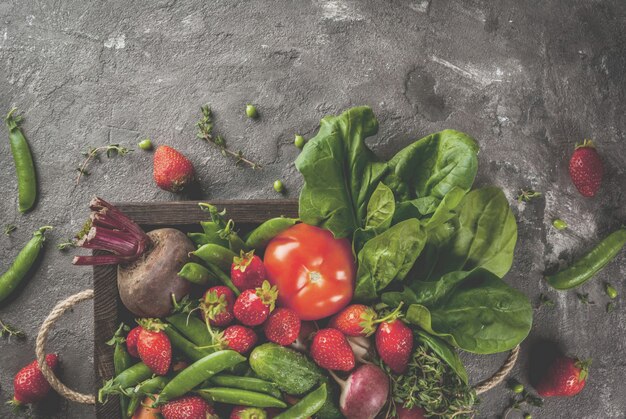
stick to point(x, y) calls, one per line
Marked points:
point(566, 376)
point(216, 306)
point(394, 342)
point(356, 320)
point(29, 384)
point(253, 306)
point(247, 271)
point(153, 346)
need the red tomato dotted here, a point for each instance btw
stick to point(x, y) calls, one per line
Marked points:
point(313, 271)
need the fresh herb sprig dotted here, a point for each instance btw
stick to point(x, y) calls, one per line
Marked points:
point(526, 195)
point(430, 384)
point(95, 153)
point(205, 132)
point(584, 298)
point(9, 228)
point(10, 331)
point(545, 301)
point(66, 245)
point(520, 400)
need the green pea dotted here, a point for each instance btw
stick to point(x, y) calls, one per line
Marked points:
point(251, 111)
point(528, 416)
point(24, 166)
point(299, 141)
point(278, 186)
point(145, 144)
point(610, 291)
point(306, 407)
point(559, 224)
point(518, 388)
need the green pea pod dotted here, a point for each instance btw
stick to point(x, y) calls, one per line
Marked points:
point(127, 378)
point(240, 397)
point(260, 236)
point(184, 346)
point(197, 372)
point(22, 263)
point(197, 274)
point(199, 239)
point(306, 407)
point(590, 264)
point(224, 279)
point(216, 255)
point(121, 360)
point(235, 243)
point(151, 386)
point(212, 231)
point(191, 328)
point(133, 404)
point(246, 383)
point(24, 166)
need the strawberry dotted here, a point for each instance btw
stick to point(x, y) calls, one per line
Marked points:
point(564, 377)
point(217, 305)
point(331, 350)
point(282, 327)
point(355, 320)
point(188, 407)
point(154, 347)
point(247, 271)
point(412, 413)
point(394, 343)
point(244, 412)
point(252, 307)
point(29, 384)
point(239, 338)
point(172, 170)
point(585, 169)
point(131, 341)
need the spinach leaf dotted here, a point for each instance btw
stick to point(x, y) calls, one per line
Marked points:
point(483, 235)
point(447, 353)
point(422, 174)
point(340, 172)
point(483, 315)
point(426, 293)
point(388, 256)
point(380, 208)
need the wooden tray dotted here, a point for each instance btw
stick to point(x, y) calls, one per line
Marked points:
point(108, 309)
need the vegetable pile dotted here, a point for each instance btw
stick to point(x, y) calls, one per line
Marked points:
point(355, 310)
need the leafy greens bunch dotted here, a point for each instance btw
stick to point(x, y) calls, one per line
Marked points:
point(419, 233)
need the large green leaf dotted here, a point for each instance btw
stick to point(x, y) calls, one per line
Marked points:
point(388, 256)
point(482, 315)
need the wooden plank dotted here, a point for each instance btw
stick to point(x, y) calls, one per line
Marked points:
point(108, 309)
point(188, 212)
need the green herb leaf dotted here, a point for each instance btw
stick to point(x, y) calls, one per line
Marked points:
point(9, 228)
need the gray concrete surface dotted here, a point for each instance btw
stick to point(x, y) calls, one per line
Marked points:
point(527, 79)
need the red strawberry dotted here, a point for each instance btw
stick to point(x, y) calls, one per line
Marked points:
point(355, 320)
point(131, 341)
point(394, 343)
point(217, 304)
point(282, 327)
point(412, 413)
point(585, 169)
point(29, 384)
point(244, 412)
point(331, 350)
point(239, 338)
point(188, 407)
point(564, 377)
point(154, 346)
point(253, 307)
point(172, 170)
point(247, 271)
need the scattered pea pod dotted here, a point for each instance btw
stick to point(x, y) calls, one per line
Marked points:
point(24, 166)
point(191, 328)
point(246, 383)
point(240, 397)
point(184, 346)
point(306, 407)
point(199, 371)
point(587, 266)
point(22, 263)
point(260, 236)
point(215, 254)
point(197, 274)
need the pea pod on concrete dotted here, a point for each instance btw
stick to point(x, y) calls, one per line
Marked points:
point(586, 267)
point(306, 407)
point(198, 372)
point(191, 328)
point(197, 274)
point(24, 166)
point(260, 236)
point(22, 263)
point(240, 397)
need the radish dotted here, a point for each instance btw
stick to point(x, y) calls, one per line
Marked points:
point(363, 393)
point(148, 264)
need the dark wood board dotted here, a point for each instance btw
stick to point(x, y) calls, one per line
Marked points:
point(108, 309)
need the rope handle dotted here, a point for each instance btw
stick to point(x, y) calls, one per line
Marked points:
point(40, 348)
point(63, 390)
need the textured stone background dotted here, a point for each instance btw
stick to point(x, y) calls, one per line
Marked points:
point(527, 79)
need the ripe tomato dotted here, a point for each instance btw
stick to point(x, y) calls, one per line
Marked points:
point(313, 271)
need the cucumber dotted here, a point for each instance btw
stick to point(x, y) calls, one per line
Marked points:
point(290, 370)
